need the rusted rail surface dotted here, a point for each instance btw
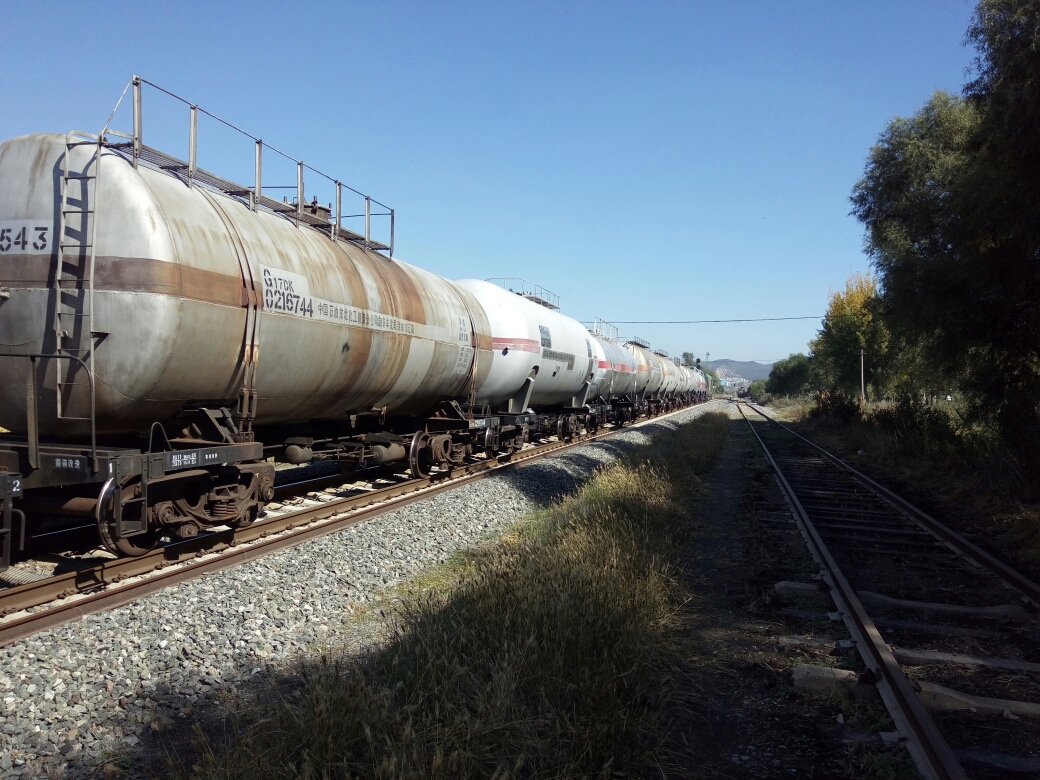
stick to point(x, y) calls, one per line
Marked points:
point(869, 531)
point(113, 583)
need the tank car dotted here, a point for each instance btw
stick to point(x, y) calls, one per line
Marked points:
point(204, 321)
point(618, 398)
point(553, 360)
point(165, 334)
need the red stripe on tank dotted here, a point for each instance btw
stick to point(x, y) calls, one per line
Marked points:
point(521, 345)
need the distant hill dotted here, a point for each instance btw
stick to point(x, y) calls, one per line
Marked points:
point(748, 369)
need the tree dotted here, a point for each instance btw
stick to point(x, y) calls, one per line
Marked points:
point(792, 376)
point(852, 323)
point(689, 359)
point(912, 201)
point(951, 202)
point(757, 390)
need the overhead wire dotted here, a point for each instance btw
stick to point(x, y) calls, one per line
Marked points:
point(701, 322)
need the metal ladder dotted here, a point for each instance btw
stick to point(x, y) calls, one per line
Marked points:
point(74, 275)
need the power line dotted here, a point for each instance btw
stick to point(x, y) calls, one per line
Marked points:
point(701, 322)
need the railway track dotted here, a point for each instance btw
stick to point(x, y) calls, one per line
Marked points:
point(946, 631)
point(89, 586)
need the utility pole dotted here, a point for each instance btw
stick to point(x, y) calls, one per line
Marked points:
point(862, 376)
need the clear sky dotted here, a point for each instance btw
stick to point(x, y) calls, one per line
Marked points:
point(646, 161)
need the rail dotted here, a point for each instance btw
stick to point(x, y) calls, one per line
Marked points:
point(928, 747)
point(604, 330)
point(1027, 587)
point(900, 529)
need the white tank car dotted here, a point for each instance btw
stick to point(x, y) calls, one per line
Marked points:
point(696, 381)
point(656, 375)
point(657, 383)
point(602, 373)
point(193, 290)
point(668, 374)
point(619, 369)
point(680, 378)
point(679, 372)
point(642, 367)
point(700, 381)
point(531, 341)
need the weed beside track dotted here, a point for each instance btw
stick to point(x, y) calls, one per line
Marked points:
point(545, 653)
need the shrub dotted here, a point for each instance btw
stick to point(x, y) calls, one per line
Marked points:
point(909, 418)
point(837, 404)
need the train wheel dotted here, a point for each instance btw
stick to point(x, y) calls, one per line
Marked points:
point(127, 546)
point(490, 450)
point(419, 455)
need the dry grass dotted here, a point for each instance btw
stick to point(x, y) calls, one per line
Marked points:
point(541, 655)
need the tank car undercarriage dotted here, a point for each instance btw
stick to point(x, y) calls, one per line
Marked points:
point(211, 472)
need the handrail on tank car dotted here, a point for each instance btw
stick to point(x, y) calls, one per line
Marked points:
point(32, 406)
point(255, 194)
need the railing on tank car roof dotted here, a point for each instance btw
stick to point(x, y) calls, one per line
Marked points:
point(301, 212)
point(604, 330)
point(530, 290)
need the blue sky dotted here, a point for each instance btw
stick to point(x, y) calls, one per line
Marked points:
point(646, 161)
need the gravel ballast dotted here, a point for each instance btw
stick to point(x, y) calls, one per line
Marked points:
point(74, 696)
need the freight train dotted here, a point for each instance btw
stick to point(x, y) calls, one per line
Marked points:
point(166, 335)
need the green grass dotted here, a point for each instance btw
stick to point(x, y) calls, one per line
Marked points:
point(542, 654)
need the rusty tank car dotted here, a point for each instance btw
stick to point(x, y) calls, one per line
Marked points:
point(166, 333)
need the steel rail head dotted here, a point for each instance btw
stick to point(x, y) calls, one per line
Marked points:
point(931, 753)
point(1015, 579)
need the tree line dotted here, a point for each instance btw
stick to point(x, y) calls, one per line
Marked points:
point(950, 203)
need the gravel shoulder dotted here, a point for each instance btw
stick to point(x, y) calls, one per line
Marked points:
point(112, 693)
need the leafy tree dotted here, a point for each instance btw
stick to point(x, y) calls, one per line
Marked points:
point(951, 202)
point(689, 359)
point(852, 323)
point(792, 376)
point(710, 372)
point(912, 200)
point(1003, 331)
point(757, 390)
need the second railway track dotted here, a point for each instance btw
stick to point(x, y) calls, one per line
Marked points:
point(948, 632)
point(93, 587)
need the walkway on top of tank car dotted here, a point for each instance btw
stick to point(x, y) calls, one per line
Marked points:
point(89, 585)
